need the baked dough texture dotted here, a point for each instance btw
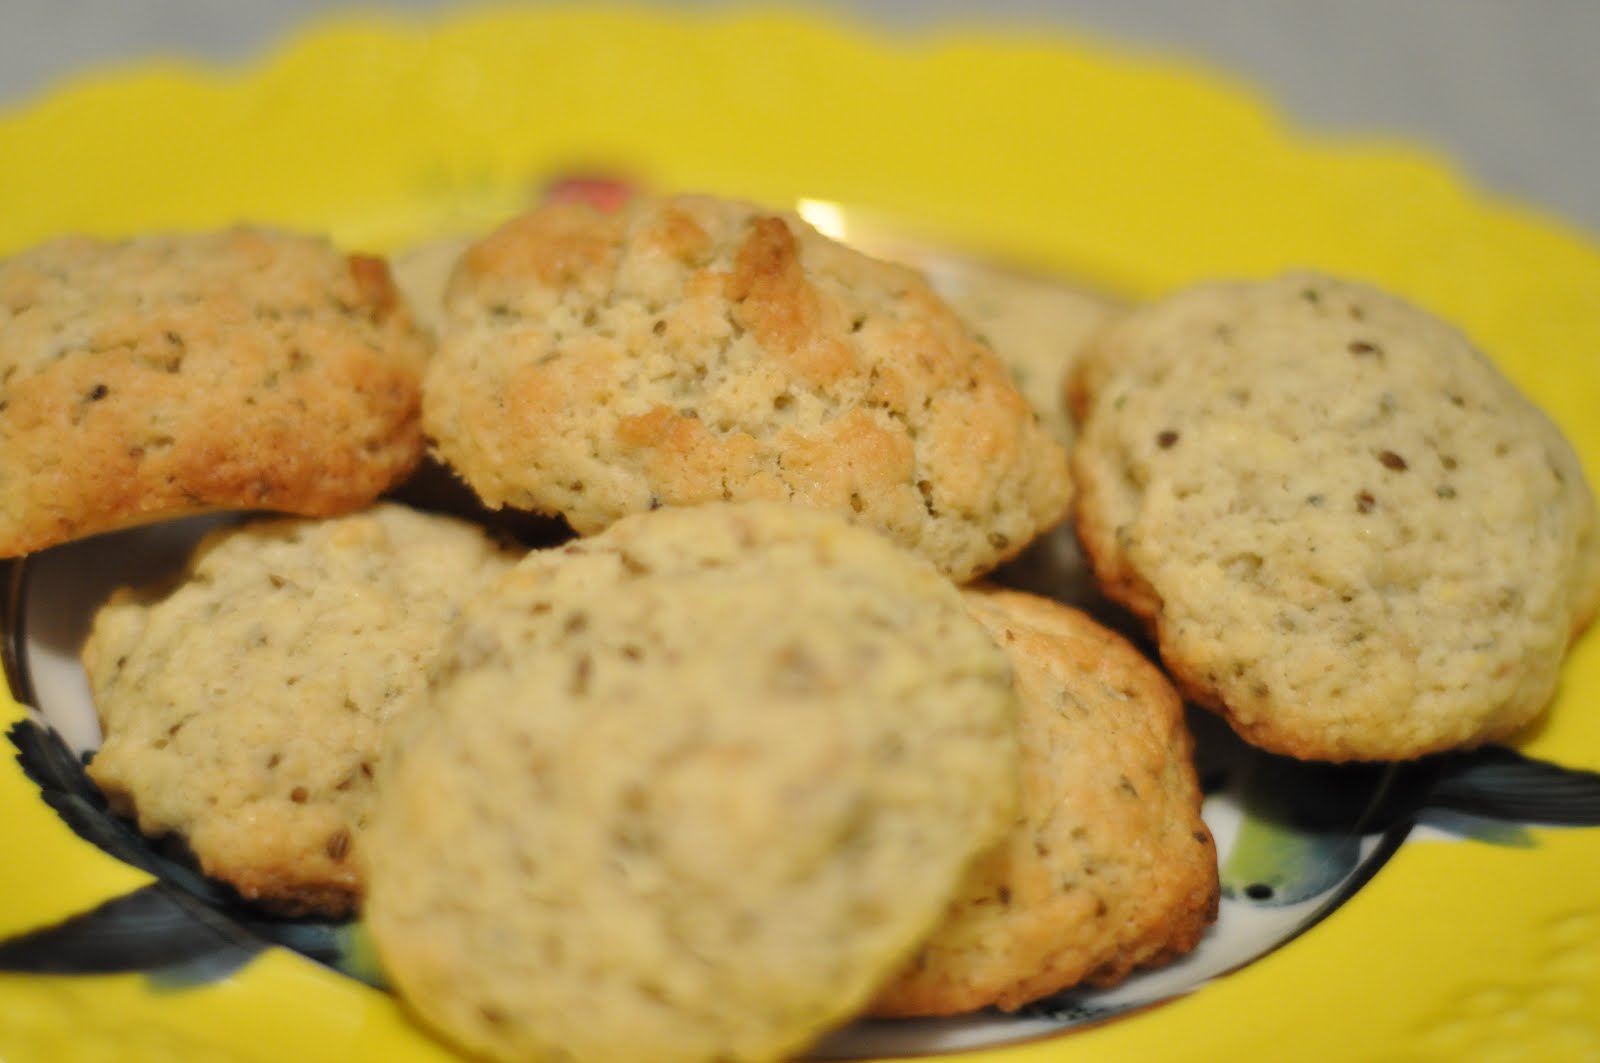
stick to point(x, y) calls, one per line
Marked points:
point(1350, 534)
point(1109, 866)
point(691, 349)
point(243, 706)
point(167, 375)
point(1038, 326)
point(689, 789)
point(422, 274)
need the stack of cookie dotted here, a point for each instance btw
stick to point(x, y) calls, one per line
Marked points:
point(690, 372)
point(759, 750)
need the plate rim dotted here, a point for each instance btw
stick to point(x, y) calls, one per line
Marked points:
point(1527, 273)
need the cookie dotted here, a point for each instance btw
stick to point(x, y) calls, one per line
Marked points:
point(688, 789)
point(687, 350)
point(1349, 533)
point(422, 274)
point(1037, 327)
point(1109, 866)
point(243, 707)
point(167, 375)
point(1036, 324)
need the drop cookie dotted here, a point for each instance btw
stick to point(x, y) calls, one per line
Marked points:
point(422, 274)
point(1108, 867)
point(242, 708)
point(689, 789)
point(1349, 533)
point(1037, 326)
point(168, 375)
point(686, 350)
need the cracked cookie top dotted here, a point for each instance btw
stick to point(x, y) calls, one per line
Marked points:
point(167, 375)
point(690, 350)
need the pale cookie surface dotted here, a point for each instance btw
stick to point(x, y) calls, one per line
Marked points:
point(690, 790)
point(422, 274)
point(1348, 531)
point(243, 707)
point(689, 350)
point(1037, 326)
point(1109, 866)
point(169, 375)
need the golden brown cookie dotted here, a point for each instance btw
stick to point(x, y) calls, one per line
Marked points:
point(1109, 866)
point(688, 789)
point(688, 350)
point(243, 707)
point(168, 375)
point(1350, 534)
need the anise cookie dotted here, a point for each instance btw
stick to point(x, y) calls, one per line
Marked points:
point(243, 707)
point(1037, 326)
point(712, 774)
point(167, 375)
point(687, 350)
point(1109, 866)
point(1349, 533)
point(422, 274)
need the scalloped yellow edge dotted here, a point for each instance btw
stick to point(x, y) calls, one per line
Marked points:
point(1135, 172)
